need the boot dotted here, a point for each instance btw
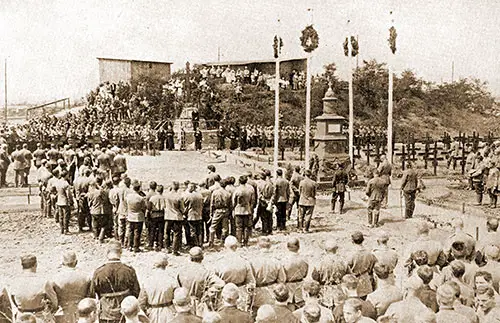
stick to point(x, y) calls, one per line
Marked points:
point(341, 207)
point(211, 241)
point(370, 218)
point(333, 206)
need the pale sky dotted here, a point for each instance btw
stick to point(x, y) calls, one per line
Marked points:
point(51, 45)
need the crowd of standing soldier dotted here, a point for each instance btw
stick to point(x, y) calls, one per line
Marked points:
point(430, 281)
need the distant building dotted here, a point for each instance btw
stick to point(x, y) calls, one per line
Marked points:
point(114, 70)
point(265, 66)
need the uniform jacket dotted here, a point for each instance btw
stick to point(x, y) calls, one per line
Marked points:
point(383, 296)
point(31, 291)
point(330, 271)
point(375, 189)
point(156, 297)
point(220, 199)
point(340, 180)
point(243, 200)
point(120, 163)
point(186, 317)
point(136, 207)
point(96, 201)
point(71, 286)
point(156, 205)
point(410, 180)
point(112, 282)
point(231, 314)
point(174, 206)
point(18, 160)
point(232, 268)
point(385, 170)
point(361, 264)
point(307, 190)
point(193, 206)
point(281, 190)
point(64, 197)
point(197, 279)
point(295, 181)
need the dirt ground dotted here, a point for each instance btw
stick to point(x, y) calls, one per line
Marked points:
point(23, 230)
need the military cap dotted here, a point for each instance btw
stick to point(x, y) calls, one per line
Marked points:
point(293, 244)
point(130, 306)
point(196, 253)
point(266, 313)
point(331, 245)
point(492, 252)
point(307, 172)
point(383, 237)
point(267, 172)
point(230, 292)
point(160, 261)
point(357, 237)
point(312, 312)
point(230, 242)
point(181, 297)
point(69, 258)
point(28, 261)
point(211, 168)
point(114, 245)
point(264, 242)
point(311, 286)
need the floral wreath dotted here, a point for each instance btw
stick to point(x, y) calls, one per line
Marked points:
point(309, 39)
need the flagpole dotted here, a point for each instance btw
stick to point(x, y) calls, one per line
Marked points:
point(351, 102)
point(5, 102)
point(276, 114)
point(308, 112)
point(392, 43)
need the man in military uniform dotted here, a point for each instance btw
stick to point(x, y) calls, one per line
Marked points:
point(198, 280)
point(340, 180)
point(360, 263)
point(460, 236)
point(385, 171)
point(243, 202)
point(87, 311)
point(268, 271)
point(307, 201)
point(281, 294)
point(18, 165)
point(96, 199)
point(122, 211)
point(384, 254)
point(296, 268)
point(71, 286)
point(386, 292)
point(43, 178)
point(409, 188)
point(174, 217)
point(112, 282)
point(445, 298)
point(198, 137)
point(229, 312)
point(433, 248)
point(183, 307)
point(120, 163)
point(205, 212)
point(32, 293)
point(157, 293)
point(28, 157)
point(193, 208)
point(265, 193)
point(329, 272)
point(64, 202)
point(220, 206)
point(156, 210)
point(281, 197)
point(136, 208)
point(376, 194)
point(39, 155)
point(233, 268)
point(4, 164)
point(294, 185)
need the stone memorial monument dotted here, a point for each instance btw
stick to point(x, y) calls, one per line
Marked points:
point(330, 141)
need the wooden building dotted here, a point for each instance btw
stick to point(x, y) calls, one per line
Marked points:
point(114, 70)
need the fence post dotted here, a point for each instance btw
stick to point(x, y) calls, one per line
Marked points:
point(435, 157)
point(403, 158)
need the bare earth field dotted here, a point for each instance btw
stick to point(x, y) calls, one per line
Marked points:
point(23, 230)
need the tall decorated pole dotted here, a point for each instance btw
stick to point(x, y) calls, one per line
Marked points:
point(351, 49)
point(392, 45)
point(277, 44)
point(309, 41)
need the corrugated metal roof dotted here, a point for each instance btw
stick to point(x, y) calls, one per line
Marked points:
point(132, 60)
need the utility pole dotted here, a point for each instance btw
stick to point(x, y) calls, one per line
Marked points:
point(351, 96)
point(5, 103)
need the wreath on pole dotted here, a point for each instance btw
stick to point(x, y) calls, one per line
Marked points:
point(309, 39)
point(392, 39)
point(278, 43)
point(354, 45)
